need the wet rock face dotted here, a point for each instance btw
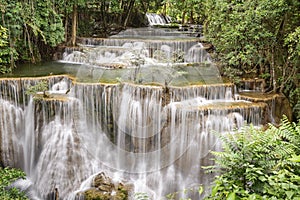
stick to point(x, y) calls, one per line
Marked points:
point(282, 107)
point(278, 105)
point(103, 183)
point(103, 188)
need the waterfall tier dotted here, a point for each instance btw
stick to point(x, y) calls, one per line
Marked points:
point(136, 47)
point(140, 109)
point(151, 132)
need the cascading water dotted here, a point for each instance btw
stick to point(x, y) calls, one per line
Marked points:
point(155, 19)
point(150, 125)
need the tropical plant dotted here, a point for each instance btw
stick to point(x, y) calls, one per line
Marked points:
point(257, 38)
point(192, 190)
point(257, 164)
point(32, 28)
point(187, 11)
point(7, 177)
point(292, 89)
point(6, 53)
point(41, 86)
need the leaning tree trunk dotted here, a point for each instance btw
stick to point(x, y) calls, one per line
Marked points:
point(74, 26)
point(128, 12)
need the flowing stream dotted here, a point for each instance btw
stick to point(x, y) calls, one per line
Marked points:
point(141, 106)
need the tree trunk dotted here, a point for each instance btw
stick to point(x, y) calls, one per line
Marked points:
point(128, 13)
point(120, 14)
point(273, 74)
point(103, 17)
point(66, 27)
point(183, 18)
point(191, 20)
point(183, 13)
point(165, 9)
point(74, 26)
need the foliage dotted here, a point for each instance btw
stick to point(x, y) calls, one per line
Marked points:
point(5, 52)
point(41, 86)
point(186, 11)
point(232, 73)
point(194, 190)
point(32, 27)
point(141, 196)
point(3, 37)
point(35, 27)
point(8, 176)
point(292, 89)
point(292, 41)
point(257, 164)
point(258, 38)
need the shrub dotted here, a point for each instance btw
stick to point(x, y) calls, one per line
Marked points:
point(7, 177)
point(257, 164)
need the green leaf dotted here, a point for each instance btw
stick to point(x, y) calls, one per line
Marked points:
point(215, 190)
point(262, 178)
point(231, 196)
point(295, 158)
point(200, 190)
point(289, 194)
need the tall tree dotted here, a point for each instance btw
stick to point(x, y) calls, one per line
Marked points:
point(127, 10)
point(74, 25)
point(32, 27)
point(187, 11)
point(250, 38)
point(71, 7)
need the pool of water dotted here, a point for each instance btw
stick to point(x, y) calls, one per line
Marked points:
point(42, 69)
point(182, 74)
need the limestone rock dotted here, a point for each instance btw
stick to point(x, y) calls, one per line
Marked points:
point(103, 188)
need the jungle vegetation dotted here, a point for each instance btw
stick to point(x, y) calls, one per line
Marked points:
point(257, 164)
point(7, 177)
point(258, 38)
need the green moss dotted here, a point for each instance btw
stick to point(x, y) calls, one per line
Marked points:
point(95, 194)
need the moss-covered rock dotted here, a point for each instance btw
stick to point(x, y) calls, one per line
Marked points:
point(103, 188)
point(95, 194)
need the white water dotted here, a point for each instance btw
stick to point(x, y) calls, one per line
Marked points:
point(155, 19)
point(136, 47)
point(124, 131)
point(154, 138)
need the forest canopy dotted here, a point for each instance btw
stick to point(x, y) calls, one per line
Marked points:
point(258, 38)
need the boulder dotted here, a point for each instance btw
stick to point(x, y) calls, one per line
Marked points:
point(103, 188)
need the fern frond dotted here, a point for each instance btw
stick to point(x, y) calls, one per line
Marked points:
point(228, 142)
point(288, 131)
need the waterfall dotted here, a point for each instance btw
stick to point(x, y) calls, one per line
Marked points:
point(11, 121)
point(149, 122)
point(120, 128)
point(137, 46)
point(155, 19)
